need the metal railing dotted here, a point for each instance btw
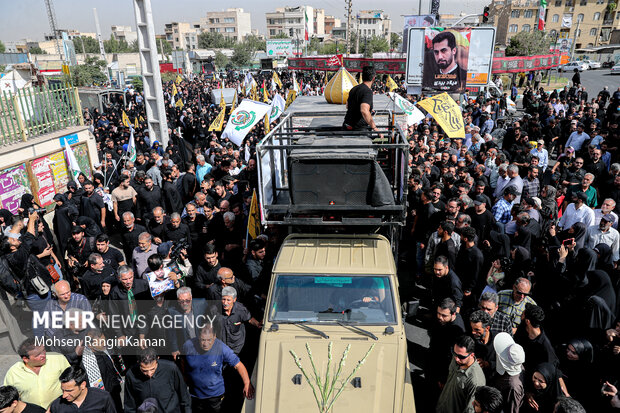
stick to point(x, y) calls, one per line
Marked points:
point(35, 111)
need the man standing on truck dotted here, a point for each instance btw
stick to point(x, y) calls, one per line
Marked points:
point(359, 105)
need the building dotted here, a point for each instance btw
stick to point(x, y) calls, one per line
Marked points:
point(319, 21)
point(124, 33)
point(181, 35)
point(233, 23)
point(71, 34)
point(373, 23)
point(330, 23)
point(291, 21)
point(590, 20)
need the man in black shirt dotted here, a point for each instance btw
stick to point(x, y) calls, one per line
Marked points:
point(129, 234)
point(9, 402)
point(112, 258)
point(359, 105)
point(76, 396)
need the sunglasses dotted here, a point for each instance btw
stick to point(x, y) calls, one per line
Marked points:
point(459, 356)
point(522, 293)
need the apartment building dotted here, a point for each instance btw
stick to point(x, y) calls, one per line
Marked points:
point(233, 23)
point(373, 23)
point(331, 22)
point(592, 21)
point(125, 33)
point(292, 22)
point(182, 35)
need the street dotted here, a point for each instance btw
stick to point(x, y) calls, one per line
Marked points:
point(595, 80)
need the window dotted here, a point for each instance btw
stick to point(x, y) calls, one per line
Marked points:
point(526, 28)
point(515, 13)
point(555, 18)
point(230, 30)
point(513, 28)
point(583, 2)
point(600, 1)
point(597, 16)
point(593, 32)
point(229, 19)
point(580, 17)
point(176, 30)
point(528, 14)
point(272, 32)
point(558, 3)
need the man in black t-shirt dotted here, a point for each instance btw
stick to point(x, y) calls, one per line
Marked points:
point(359, 104)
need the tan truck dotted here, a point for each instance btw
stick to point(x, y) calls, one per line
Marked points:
point(333, 293)
point(333, 338)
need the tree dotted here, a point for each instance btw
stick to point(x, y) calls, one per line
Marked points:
point(134, 46)
point(370, 45)
point(116, 46)
point(213, 40)
point(36, 50)
point(281, 35)
point(89, 73)
point(167, 47)
point(242, 56)
point(528, 44)
point(220, 60)
point(2, 47)
point(137, 83)
point(85, 44)
point(395, 41)
point(254, 43)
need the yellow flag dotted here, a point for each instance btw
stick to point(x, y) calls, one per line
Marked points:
point(267, 125)
point(290, 98)
point(391, 85)
point(234, 103)
point(243, 90)
point(125, 119)
point(217, 123)
point(222, 101)
point(141, 118)
point(265, 95)
point(179, 103)
point(447, 113)
point(276, 79)
point(360, 82)
point(135, 123)
point(174, 90)
point(179, 79)
point(254, 227)
point(254, 93)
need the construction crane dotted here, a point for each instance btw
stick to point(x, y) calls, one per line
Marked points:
point(51, 16)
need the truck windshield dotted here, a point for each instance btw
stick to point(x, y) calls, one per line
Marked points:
point(331, 298)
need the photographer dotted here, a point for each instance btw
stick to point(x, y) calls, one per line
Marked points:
point(79, 249)
point(174, 255)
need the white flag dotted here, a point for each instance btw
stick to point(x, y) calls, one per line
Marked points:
point(295, 84)
point(243, 119)
point(414, 115)
point(277, 107)
point(249, 81)
point(73, 163)
point(131, 148)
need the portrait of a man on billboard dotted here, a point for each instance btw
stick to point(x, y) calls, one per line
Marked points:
point(445, 59)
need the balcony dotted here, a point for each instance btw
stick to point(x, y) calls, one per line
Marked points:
point(608, 22)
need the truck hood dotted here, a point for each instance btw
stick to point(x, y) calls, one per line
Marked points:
point(277, 372)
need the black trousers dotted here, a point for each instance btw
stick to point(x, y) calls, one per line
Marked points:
point(210, 405)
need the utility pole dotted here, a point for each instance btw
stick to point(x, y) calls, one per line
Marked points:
point(51, 16)
point(357, 38)
point(572, 52)
point(101, 48)
point(349, 10)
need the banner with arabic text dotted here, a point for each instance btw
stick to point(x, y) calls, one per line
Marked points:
point(447, 113)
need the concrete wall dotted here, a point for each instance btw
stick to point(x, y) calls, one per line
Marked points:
point(44, 145)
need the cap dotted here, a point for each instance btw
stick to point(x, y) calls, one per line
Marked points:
point(479, 200)
point(511, 190)
point(164, 248)
point(538, 202)
point(97, 164)
point(570, 149)
point(608, 218)
point(530, 201)
point(541, 142)
point(77, 229)
point(510, 355)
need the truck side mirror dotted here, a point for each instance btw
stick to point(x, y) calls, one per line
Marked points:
point(410, 309)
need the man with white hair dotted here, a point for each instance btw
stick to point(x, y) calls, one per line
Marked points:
point(189, 314)
point(233, 318)
point(607, 208)
point(202, 168)
point(63, 301)
point(515, 180)
point(141, 254)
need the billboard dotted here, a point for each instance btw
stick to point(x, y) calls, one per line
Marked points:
point(563, 45)
point(426, 20)
point(280, 48)
point(472, 55)
point(480, 55)
point(446, 54)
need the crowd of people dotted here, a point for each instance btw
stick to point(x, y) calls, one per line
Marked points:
point(511, 232)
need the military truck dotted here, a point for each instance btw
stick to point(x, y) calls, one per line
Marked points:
point(333, 337)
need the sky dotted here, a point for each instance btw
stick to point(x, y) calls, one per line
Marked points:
point(28, 18)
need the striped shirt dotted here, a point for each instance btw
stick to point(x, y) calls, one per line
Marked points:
point(513, 310)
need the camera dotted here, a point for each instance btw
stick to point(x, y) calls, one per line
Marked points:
point(40, 211)
point(180, 245)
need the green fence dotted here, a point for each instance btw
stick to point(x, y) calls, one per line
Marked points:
point(35, 111)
